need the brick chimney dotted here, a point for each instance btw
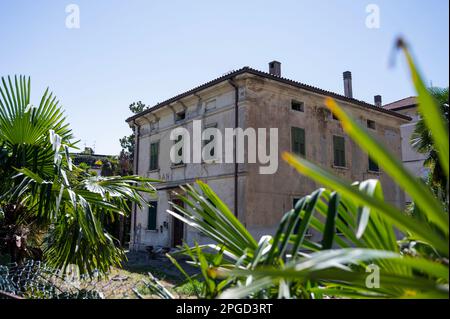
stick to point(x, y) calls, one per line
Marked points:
point(275, 68)
point(348, 92)
point(377, 100)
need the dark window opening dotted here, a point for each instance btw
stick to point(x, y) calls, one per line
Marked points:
point(373, 166)
point(297, 106)
point(371, 124)
point(180, 116)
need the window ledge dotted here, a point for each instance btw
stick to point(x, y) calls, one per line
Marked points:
point(211, 161)
point(340, 167)
point(373, 172)
point(156, 170)
point(178, 165)
point(151, 231)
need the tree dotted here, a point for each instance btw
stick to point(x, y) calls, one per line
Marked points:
point(127, 142)
point(422, 142)
point(50, 208)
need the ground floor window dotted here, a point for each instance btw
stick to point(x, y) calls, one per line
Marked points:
point(152, 212)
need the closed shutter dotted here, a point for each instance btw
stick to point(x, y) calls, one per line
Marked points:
point(298, 141)
point(152, 212)
point(339, 151)
point(154, 149)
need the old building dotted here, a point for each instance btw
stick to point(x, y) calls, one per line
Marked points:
point(411, 159)
point(248, 98)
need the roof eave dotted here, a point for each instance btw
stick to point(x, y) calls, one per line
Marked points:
point(271, 77)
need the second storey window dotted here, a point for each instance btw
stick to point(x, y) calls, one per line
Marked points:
point(152, 212)
point(180, 151)
point(297, 106)
point(209, 144)
point(154, 150)
point(339, 151)
point(371, 124)
point(180, 116)
point(298, 141)
point(373, 166)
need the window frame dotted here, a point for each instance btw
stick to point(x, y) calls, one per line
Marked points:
point(151, 167)
point(371, 167)
point(152, 207)
point(337, 160)
point(302, 143)
point(371, 124)
point(180, 137)
point(180, 116)
point(300, 104)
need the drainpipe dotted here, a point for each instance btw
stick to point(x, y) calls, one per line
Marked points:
point(236, 124)
point(137, 131)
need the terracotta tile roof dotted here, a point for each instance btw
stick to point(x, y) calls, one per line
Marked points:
point(269, 76)
point(401, 104)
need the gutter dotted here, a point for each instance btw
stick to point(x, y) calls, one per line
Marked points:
point(236, 124)
point(137, 133)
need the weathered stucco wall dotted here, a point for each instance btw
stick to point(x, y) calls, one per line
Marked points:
point(269, 105)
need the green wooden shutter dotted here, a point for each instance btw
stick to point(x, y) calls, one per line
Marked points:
point(154, 150)
point(180, 151)
point(339, 151)
point(298, 141)
point(152, 212)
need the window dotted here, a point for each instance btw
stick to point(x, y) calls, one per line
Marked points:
point(152, 211)
point(210, 105)
point(180, 151)
point(212, 152)
point(371, 124)
point(339, 151)
point(154, 150)
point(180, 116)
point(298, 141)
point(297, 106)
point(373, 166)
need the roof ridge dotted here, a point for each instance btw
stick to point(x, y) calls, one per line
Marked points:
point(405, 98)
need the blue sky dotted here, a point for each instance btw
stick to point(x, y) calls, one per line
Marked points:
point(126, 51)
